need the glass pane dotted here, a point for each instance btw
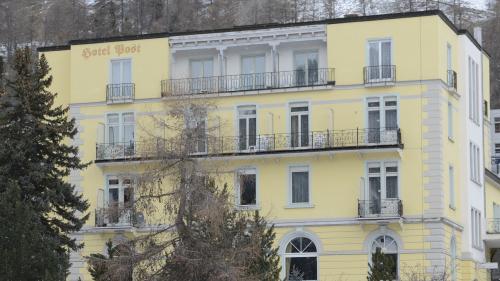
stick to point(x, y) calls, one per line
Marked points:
point(243, 133)
point(248, 189)
point(374, 195)
point(126, 71)
point(386, 53)
point(128, 118)
point(391, 119)
point(303, 266)
point(128, 134)
point(128, 196)
point(252, 131)
point(116, 77)
point(113, 134)
point(294, 131)
point(196, 69)
point(113, 119)
point(208, 68)
point(374, 126)
point(312, 69)
point(300, 187)
point(247, 65)
point(113, 196)
point(260, 64)
point(201, 136)
point(391, 188)
point(304, 125)
point(299, 108)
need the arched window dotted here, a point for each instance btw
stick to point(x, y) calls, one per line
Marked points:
point(453, 259)
point(301, 259)
point(389, 247)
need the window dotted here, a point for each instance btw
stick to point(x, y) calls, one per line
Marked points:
point(121, 79)
point(301, 257)
point(496, 218)
point(253, 70)
point(475, 164)
point(120, 199)
point(451, 183)
point(497, 124)
point(299, 124)
point(497, 148)
point(196, 131)
point(299, 181)
point(453, 259)
point(382, 119)
point(247, 187)
point(388, 246)
point(450, 121)
point(379, 61)
point(476, 228)
point(448, 56)
point(120, 131)
point(201, 71)
point(247, 127)
point(382, 188)
point(486, 108)
point(474, 104)
point(306, 68)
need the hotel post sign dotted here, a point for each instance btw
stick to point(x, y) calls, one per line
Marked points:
point(111, 50)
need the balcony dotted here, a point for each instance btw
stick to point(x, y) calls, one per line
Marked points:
point(248, 82)
point(383, 208)
point(379, 75)
point(492, 237)
point(120, 93)
point(118, 216)
point(317, 141)
point(452, 80)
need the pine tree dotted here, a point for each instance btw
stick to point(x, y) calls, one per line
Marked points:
point(265, 264)
point(38, 207)
point(381, 267)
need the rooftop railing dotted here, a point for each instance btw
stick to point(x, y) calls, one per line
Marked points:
point(392, 207)
point(248, 82)
point(120, 93)
point(379, 75)
point(254, 144)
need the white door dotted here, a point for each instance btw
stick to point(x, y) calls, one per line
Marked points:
point(202, 72)
point(306, 68)
point(380, 62)
point(247, 127)
point(299, 125)
point(121, 79)
point(253, 70)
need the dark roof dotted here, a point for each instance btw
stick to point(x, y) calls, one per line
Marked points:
point(266, 26)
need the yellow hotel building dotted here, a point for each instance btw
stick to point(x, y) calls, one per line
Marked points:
point(349, 134)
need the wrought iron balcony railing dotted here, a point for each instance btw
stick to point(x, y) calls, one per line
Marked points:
point(253, 144)
point(379, 75)
point(118, 215)
point(120, 93)
point(493, 226)
point(248, 82)
point(380, 208)
point(452, 80)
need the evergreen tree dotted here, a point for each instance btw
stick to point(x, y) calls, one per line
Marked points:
point(381, 267)
point(265, 263)
point(99, 264)
point(38, 207)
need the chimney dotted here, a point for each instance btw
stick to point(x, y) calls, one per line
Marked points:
point(478, 35)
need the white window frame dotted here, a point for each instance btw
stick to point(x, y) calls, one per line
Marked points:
point(291, 170)
point(189, 119)
point(475, 163)
point(496, 120)
point(122, 219)
point(398, 251)
point(475, 107)
point(247, 117)
point(497, 146)
point(453, 259)
point(367, 57)
point(306, 70)
point(382, 108)
point(247, 171)
point(285, 255)
point(299, 113)
point(451, 185)
point(121, 61)
point(120, 125)
point(382, 175)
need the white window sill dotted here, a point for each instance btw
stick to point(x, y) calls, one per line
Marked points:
point(299, 206)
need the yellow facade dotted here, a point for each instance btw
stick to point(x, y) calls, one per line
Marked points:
point(433, 213)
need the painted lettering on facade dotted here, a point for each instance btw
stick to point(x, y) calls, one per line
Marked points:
point(116, 50)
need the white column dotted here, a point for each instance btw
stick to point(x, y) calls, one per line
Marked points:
point(222, 62)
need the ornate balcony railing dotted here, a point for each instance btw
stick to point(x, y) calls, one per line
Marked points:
point(255, 144)
point(452, 80)
point(248, 82)
point(120, 93)
point(379, 75)
point(493, 226)
point(118, 215)
point(380, 208)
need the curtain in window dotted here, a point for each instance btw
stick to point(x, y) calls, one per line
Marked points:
point(391, 119)
point(374, 195)
point(373, 70)
point(300, 187)
point(386, 60)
